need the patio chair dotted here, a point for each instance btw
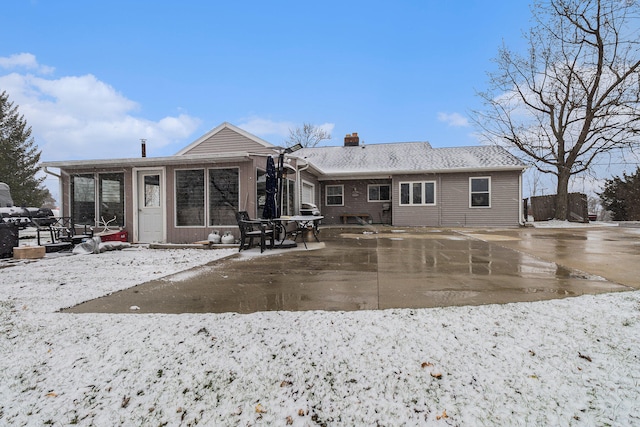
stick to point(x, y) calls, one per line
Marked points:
point(251, 229)
point(63, 233)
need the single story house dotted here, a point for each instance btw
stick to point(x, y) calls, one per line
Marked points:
point(184, 197)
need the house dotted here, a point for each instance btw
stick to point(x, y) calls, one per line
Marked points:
point(182, 198)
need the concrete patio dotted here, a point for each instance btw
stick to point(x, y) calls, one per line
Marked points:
point(381, 267)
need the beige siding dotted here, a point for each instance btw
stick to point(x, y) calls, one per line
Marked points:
point(505, 201)
point(415, 215)
point(227, 141)
point(452, 202)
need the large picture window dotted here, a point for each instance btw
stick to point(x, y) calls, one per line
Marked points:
point(480, 192)
point(418, 193)
point(220, 194)
point(335, 195)
point(224, 193)
point(190, 197)
point(97, 198)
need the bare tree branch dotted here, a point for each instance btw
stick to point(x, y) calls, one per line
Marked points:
point(308, 135)
point(575, 95)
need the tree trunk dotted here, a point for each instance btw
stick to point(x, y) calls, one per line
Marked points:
point(562, 196)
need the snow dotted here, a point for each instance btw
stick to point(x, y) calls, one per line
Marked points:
point(572, 361)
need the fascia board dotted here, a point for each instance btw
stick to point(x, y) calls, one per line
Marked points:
point(149, 161)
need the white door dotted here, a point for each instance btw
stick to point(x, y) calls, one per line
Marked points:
point(150, 206)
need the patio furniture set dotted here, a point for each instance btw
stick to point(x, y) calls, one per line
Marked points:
point(273, 233)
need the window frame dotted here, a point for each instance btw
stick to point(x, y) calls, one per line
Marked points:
point(471, 192)
point(379, 200)
point(327, 195)
point(206, 199)
point(97, 193)
point(208, 195)
point(423, 186)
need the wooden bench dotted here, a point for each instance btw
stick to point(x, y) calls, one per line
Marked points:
point(361, 217)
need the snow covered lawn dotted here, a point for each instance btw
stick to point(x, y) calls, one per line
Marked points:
point(573, 361)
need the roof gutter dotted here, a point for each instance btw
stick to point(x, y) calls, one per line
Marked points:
point(347, 175)
point(149, 161)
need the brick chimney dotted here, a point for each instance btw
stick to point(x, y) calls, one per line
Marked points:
point(352, 140)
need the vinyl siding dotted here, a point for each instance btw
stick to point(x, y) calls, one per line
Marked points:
point(403, 215)
point(452, 202)
point(505, 201)
point(227, 141)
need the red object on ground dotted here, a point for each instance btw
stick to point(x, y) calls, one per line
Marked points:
point(114, 236)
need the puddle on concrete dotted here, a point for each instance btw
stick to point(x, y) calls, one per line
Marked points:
point(412, 269)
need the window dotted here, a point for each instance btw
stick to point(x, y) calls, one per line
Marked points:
point(92, 203)
point(379, 192)
point(335, 195)
point(480, 192)
point(151, 191)
point(190, 197)
point(224, 194)
point(288, 196)
point(220, 192)
point(308, 192)
point(83, 199)
point(418, 193)
point(111, 191)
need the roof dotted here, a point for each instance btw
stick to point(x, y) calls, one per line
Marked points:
point(150, 161)
point(407, 157)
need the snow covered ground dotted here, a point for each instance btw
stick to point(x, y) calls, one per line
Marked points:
point(573, 361)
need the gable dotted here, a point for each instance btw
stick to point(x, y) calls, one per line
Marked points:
point(224, 139)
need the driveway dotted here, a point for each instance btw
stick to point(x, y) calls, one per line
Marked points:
point(380, 267)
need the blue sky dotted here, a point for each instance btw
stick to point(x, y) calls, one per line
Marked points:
point(93, 77)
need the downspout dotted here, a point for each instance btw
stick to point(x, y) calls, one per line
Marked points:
point(521, 219)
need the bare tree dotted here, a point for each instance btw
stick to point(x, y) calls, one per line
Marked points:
point(308, 135)
point(575, 96)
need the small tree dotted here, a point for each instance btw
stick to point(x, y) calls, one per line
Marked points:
point(621, 196)
point(307, 136)
point(575, 96)
point(19, 157)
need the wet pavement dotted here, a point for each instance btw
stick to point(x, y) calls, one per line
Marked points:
point(381, 267)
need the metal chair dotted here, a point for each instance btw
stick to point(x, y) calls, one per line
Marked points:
point(251, 229)
point(62, 231)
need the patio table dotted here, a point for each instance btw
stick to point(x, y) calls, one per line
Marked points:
point(303, 223)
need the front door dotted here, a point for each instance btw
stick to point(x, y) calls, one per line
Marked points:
point(150, 206)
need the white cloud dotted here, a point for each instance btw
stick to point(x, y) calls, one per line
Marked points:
point(453, 119)
point(81, 117)
point(264, 127)
point(327, 127)
point(24, 60)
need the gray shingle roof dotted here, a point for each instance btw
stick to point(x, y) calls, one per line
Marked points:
point(408, 157)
